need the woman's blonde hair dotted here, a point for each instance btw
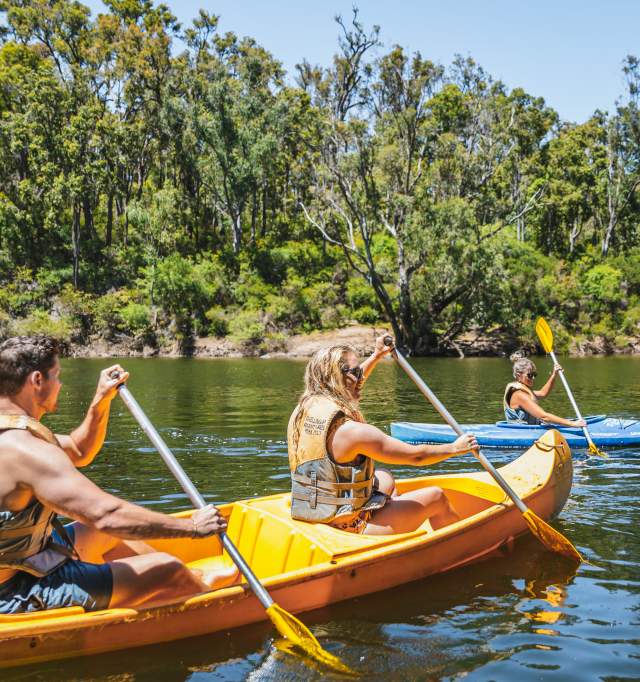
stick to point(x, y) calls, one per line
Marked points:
point(324, 376)
point(521, 364)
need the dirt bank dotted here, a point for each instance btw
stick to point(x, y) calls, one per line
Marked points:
point(361, 337)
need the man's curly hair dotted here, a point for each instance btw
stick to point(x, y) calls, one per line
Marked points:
point(21, 355)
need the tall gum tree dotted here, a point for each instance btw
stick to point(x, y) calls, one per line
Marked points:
point(415, 158)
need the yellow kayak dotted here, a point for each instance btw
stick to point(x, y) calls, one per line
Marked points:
point(305, 566)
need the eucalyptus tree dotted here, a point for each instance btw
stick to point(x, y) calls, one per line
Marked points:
point(622, 179)
point(410, 179)
point(567, 214)
point(235, 116)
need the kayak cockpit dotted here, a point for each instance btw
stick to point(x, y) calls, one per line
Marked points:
point(273, 543)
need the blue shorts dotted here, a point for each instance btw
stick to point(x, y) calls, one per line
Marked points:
point(75, 583)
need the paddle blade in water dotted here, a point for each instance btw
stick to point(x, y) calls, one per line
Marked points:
point(550, 537)
point(544, 334)
point(595, 450)
point(302, 638)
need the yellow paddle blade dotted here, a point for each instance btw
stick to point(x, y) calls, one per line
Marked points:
point(544, 334)
point(550, 537)
point(302, 638)
point(595, 450)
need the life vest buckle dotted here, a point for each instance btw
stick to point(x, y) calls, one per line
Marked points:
point(314, 489)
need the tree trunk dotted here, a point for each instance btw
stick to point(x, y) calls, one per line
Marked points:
point(606, 240)
point(263, 230)
point(254, 214)
point(404, 313)
point(75, 243)
point(237, 233)
point(109, 227)
point(574, 233)
point(88, 216)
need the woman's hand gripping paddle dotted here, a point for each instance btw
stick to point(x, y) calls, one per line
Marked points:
point(546, 339)
point(549, 537)
point(285, 623)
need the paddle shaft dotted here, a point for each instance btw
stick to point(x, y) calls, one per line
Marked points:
point(445, 414)
point(196, 498)
point(576, 409)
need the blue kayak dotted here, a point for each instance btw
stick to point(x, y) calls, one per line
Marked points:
point(605, 431)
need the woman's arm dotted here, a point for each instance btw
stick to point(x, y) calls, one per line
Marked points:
point(520, 399)
point(354, 438)
point(546, 389)
point(379, 351)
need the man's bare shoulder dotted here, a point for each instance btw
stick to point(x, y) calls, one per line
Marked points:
point(21, 447)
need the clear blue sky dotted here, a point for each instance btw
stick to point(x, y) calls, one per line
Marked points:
point(568, 51)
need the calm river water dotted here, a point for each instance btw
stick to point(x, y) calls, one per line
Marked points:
point(226, 421)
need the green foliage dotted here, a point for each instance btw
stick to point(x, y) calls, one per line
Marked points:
point(247, 328)
point(136, 319)
point(602, 286)
point(218, 321)
point(41, 322)
point(631, 321)
point(106, 309)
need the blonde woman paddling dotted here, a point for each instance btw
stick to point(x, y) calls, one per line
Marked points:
point(521, 401)
point(332, 455)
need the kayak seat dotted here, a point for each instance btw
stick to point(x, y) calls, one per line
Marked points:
point(274, 543)
point(269, 542)
point(211, 563)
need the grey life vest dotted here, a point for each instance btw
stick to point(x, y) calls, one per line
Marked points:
point(321, 489)
point(518, 414)
point(25, 535)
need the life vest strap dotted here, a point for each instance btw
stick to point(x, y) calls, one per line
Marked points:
point(25, 423)
point(314, 498)
point(330, 485)
point(24, 530)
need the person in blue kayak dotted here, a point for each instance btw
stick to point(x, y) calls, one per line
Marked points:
point(332, 455)
point(520, 400)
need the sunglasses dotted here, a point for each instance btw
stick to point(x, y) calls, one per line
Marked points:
point(531, 375)
point(356, 372)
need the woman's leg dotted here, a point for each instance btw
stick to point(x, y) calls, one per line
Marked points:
point(405, 513)
point(386, 482)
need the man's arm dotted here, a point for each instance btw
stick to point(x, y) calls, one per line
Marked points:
point(84, 442)
point(354, 438)
point(57, 483)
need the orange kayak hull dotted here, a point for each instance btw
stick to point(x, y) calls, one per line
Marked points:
point(306, 566)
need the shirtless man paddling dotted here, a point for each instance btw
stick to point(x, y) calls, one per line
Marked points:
point(101, 560)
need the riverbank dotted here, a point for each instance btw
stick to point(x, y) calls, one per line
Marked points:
point(361, 337)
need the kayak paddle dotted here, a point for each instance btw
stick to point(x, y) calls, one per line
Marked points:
point(549, 537)
point(546, 339)
point(285, 623)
